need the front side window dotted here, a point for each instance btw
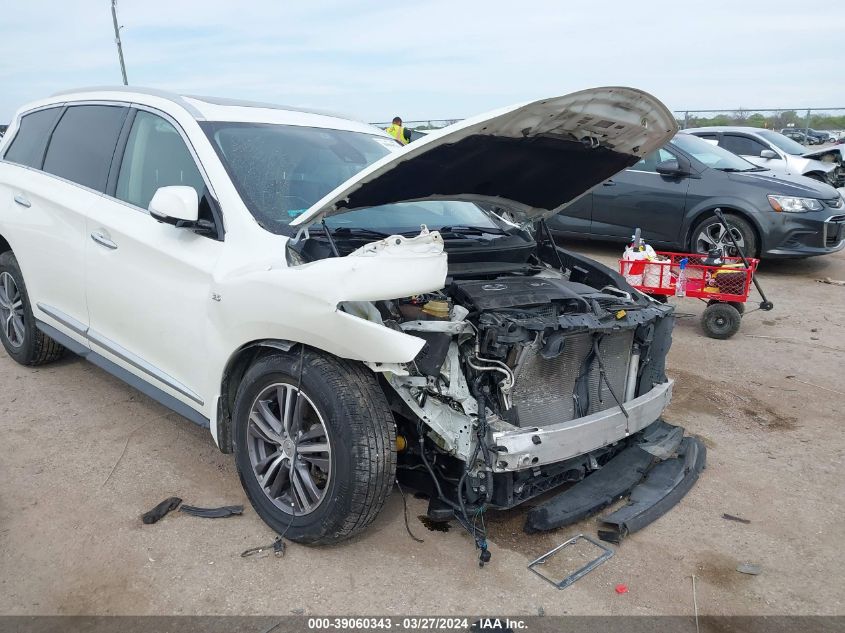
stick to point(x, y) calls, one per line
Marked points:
point(83, 143)
point(281, 170)
point(650, 162)
point(781, 142)
point(27, 148)
point(155, 156)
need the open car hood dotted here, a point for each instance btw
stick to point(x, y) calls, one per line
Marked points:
point(534, 159)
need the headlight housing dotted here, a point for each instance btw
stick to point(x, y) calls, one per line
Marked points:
point(791, 204)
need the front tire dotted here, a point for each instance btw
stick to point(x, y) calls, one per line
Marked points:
point(22, 340)
point(711, 233)
point(322, 476)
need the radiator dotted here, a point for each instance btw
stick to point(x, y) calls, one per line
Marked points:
point(544, 389)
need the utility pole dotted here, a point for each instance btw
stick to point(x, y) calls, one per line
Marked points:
point(117, 41)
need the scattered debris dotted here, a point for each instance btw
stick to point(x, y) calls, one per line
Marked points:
point(578, 574)
point(832, 282)
point(278, 547)
point(621, 588)
point(125, 444)
point(212, 513)
point(405, 505)
point(731, 517)
point(158, 513)
point(792, 339)
point(695, 604)
point(804, 382)
point(750, 569)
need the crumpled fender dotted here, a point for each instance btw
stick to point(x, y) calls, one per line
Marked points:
point(300, 303)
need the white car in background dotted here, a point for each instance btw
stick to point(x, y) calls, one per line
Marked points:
point(772, 150)
point(279, 277)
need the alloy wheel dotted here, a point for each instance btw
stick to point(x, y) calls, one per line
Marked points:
point(289, 449)
point(715, 236)
point(11, 310)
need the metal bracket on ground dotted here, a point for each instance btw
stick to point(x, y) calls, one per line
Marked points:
point(578, 574)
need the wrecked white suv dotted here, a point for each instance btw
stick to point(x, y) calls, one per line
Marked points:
point(341, 311)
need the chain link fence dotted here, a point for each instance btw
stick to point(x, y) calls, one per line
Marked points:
point(800, 124)
point(795, 121)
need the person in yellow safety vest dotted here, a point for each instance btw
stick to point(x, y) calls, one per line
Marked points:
point(397, 131)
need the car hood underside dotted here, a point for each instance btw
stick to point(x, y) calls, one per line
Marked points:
point(535, 159)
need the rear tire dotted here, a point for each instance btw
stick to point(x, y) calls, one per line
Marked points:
point(720, 320)
point(710, 232)
point(21, 339)
point(335, 471)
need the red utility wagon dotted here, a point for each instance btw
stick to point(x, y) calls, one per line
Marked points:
point(725, 287)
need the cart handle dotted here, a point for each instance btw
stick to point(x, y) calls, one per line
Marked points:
point(765, 304)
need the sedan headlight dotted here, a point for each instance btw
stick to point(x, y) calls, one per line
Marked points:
point(790, 204)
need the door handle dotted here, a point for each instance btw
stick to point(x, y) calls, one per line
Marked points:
point(608, 183)
point(101, 239)
point(22, 200)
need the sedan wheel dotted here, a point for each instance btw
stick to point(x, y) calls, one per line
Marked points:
point(711, 233)
point(289, 449)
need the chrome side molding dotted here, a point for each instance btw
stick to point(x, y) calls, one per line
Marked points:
point(119, 351)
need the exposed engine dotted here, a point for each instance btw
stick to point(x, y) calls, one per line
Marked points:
point(512, 355)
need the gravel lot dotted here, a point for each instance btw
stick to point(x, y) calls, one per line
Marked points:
point(83, 456)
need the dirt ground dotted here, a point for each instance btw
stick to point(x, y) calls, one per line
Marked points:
point(82, 456)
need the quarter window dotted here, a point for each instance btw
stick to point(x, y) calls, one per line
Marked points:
point(155, 156)
point(27, 148)
point(83, 143)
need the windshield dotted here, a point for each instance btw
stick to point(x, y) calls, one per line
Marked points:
point(711, 154)
point(407, 217)
point(281, 170)
point(780, 141)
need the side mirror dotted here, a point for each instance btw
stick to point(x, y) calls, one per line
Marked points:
point(175, 205)
point(768, 154)
point(669, 168)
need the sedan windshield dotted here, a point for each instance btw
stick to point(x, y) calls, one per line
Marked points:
point(281, 170)
point(780, 141)
point(711, 154)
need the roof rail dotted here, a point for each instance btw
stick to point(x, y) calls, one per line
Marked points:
point(181, 100)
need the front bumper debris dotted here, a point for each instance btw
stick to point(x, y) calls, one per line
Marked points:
point(657, 472)
point(664, 486)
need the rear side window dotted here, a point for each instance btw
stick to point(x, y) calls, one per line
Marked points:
point(27, 148)
point(83, 143)
point(155, 156)
point(742, 145)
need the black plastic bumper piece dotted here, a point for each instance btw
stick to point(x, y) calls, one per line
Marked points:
point(613, 481)
point(664, 486)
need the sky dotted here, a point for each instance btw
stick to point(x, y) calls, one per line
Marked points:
point(431, 59)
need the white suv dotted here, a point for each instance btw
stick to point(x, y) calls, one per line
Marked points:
point(279, 276)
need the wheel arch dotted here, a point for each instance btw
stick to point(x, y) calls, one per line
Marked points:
point(729, 209)
point(237, 365)
point(4, 244)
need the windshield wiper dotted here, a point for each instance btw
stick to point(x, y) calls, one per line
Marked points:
point(346, 232)
point(470, 230)
point(734, 170)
